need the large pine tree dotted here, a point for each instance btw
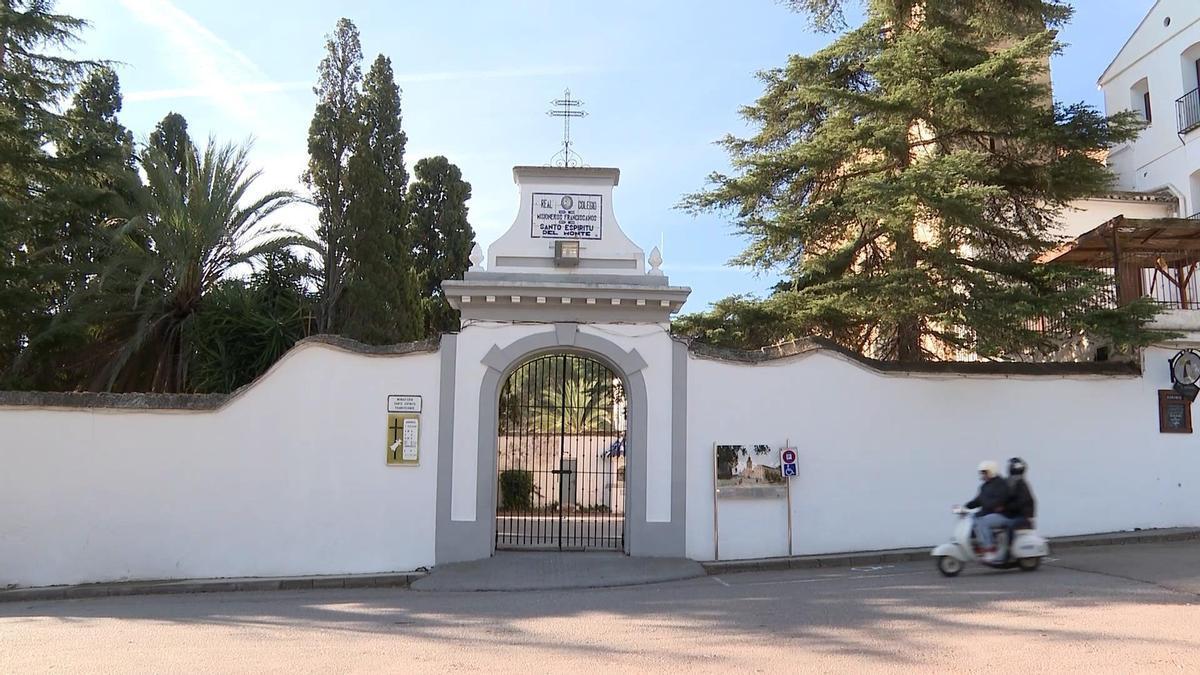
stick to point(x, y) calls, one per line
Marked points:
point(905, 178)
point(381, 298)
point(437, 202)
point(66, 169)
point(97, 185)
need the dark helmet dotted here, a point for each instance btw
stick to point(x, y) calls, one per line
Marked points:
point(1016, 466)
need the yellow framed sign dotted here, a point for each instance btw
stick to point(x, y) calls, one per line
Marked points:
point(404, 439)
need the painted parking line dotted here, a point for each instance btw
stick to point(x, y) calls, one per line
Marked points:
point(871, 568)
point(721, 581)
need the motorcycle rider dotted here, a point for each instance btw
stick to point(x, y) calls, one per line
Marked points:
point(991, 501)
point(1021, 504)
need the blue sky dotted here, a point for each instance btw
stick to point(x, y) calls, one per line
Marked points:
point(661, 79)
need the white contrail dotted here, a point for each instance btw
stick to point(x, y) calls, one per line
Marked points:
point(222, 72)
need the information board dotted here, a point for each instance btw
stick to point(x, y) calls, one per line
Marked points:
point(1174, 413)
point(747, 471)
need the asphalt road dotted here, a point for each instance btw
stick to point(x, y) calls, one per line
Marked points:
point(1114, 609)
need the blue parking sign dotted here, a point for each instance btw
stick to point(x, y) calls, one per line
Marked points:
point(787, 457)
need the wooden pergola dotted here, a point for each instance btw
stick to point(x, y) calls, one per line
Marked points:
point(1169, 246)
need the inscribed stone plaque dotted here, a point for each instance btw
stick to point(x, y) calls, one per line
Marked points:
point(565, 216)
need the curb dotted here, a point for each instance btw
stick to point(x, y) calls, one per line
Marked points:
point(855, 559)
point(105, 590)
point(563, 587)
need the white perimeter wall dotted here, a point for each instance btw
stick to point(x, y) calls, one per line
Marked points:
point(288, 478)
point(882, 458)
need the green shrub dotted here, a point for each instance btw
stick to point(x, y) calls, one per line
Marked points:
point(516, 489)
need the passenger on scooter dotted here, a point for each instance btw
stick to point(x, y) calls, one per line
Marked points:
point(991, 502)
point(1021, 504)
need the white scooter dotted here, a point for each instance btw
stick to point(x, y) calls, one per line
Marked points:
point(1027, 550)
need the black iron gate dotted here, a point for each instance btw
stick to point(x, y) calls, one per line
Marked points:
point(561, 456)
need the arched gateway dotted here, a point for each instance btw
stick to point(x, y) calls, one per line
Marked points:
point(561, 456)
point(569, 401)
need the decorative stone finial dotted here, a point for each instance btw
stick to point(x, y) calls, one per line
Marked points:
point(655, 261)
point(477, 258)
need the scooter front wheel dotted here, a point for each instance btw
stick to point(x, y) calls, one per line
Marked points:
point(949, 565)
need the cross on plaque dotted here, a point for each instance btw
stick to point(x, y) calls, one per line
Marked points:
point(566, 108)
point(395, 429)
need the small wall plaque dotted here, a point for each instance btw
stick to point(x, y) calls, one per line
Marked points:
point(1174, 413)
point(404, 403)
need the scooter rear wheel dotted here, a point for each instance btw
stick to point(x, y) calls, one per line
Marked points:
point(1029, 564)
point(949, 565)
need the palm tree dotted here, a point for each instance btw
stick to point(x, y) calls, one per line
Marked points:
point(576, 406)
point(165, 261)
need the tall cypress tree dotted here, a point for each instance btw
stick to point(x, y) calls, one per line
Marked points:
point(381, 303)
point(332, 134)
point(442, 237)
point(171, 137)
point(905, 178)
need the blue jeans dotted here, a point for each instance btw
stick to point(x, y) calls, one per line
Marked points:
point(984, 525)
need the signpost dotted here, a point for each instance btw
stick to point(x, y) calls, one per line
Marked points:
point(787, 462)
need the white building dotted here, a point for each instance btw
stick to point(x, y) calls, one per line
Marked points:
point(1146, 232)
point(1157, 74)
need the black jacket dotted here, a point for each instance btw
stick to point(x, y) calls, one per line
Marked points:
point(1020, 500)
point(992, 497)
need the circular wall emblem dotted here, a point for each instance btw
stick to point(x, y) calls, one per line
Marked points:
point(1185, 367)
point(567, 203)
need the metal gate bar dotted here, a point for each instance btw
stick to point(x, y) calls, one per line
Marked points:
point(561, 463)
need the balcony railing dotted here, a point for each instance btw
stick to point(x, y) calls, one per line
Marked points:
point(1177, 288)
point(1187, 111)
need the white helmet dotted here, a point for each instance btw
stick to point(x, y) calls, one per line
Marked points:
point(990, 468)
